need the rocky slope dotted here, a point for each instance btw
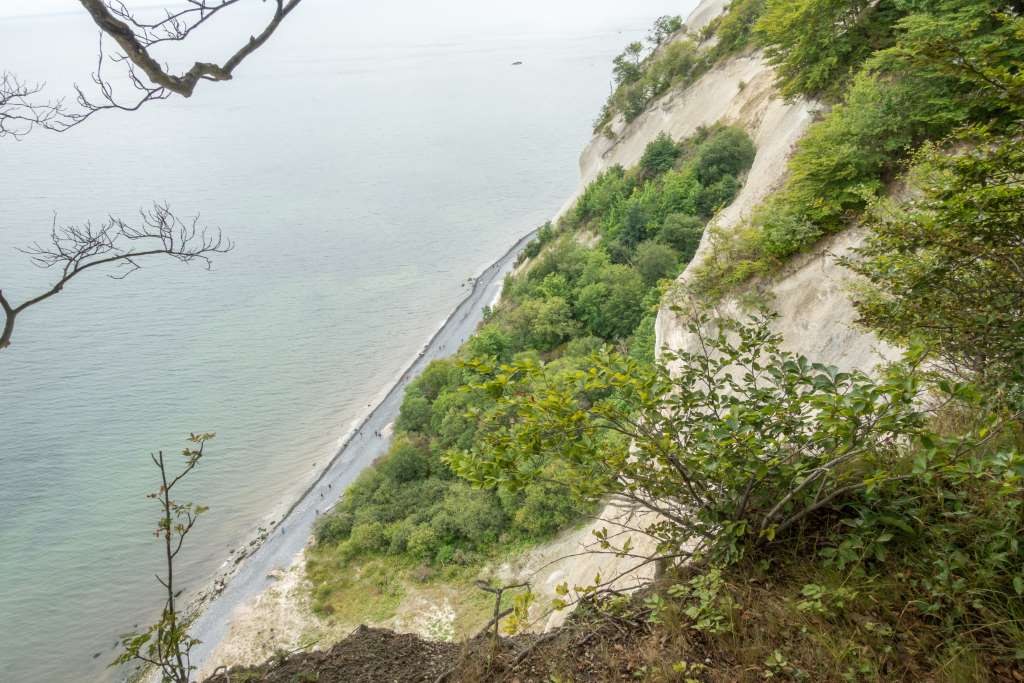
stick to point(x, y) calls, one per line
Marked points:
point(816, 317)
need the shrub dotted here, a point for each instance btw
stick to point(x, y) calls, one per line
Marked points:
point(659, 155)
point(414, 415)
point(735, 28)
point(333, 528)
point(543, 509)
point(540, 324)
point(368, 538)
point(490, 340)
point(405, 462)
point(609, 301)
point(682, 232)
point(716, 196)
point(728, 151)
point(743, 443)
point(422, 542)
point(945, 266)
point(655, 261)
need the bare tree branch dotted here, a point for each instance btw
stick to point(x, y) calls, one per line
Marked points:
point(21, 108)
point(76, 248)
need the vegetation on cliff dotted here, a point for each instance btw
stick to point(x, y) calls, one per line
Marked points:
point(595, 281)
point(899, 75)
point(812, 524)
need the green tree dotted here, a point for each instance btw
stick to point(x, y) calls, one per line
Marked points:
point(815, 45)
point(626, 66)
point(414, 415)
point(659, 155)
point(946, 267)
point(609, 301)
point(740, 444)
point(490, 340)
point(541, 324)
point(728, 151)
point(682, 232)
point(406, 462)
point(735, 28)
point(655, 261)
point(663, 29)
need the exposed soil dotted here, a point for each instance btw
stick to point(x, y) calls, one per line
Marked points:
point(368, 654)
point(601, 650)
point(622, 643)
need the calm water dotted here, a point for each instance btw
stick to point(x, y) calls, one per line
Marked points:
point(366, 162)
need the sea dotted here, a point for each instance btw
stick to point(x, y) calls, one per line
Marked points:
point(366, 162)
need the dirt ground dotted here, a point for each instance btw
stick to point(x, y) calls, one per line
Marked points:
point(609, 650)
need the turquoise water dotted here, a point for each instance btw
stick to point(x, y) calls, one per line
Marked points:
point(366, 163)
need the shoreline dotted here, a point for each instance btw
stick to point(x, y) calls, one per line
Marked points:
point(276, 547)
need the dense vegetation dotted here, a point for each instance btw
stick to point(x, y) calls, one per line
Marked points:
point(878, 517)
point(814, 524)
point(594, 280)
point(944, 269)
point(901, 74)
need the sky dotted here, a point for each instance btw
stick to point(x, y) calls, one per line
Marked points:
point(9, 8)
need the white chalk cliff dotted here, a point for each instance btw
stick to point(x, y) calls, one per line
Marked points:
point(816, 317)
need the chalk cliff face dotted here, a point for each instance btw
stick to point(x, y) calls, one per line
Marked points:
point(815, 314)
point(816, 317)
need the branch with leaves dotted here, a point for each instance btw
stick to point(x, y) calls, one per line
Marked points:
point(74, 249)
point(166, 645)
point(742, 443)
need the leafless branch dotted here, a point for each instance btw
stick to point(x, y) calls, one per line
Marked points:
point(73, 249)
point(23, 108)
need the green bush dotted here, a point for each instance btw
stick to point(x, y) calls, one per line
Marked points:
point(489, 340)
point(815, 45)
point(655, 261)
point(368, 537)
point(422, 543)
point(609, 301)
point(741, 444)
point(540, 324)
point(682, 232)
point(728, 151)
point(333, 528)
point(414, 415)
point(734, 29)
point(659, 155)
point(945, 267)
point(405, 462)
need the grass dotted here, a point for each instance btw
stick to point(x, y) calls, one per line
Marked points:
point(380, 589)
